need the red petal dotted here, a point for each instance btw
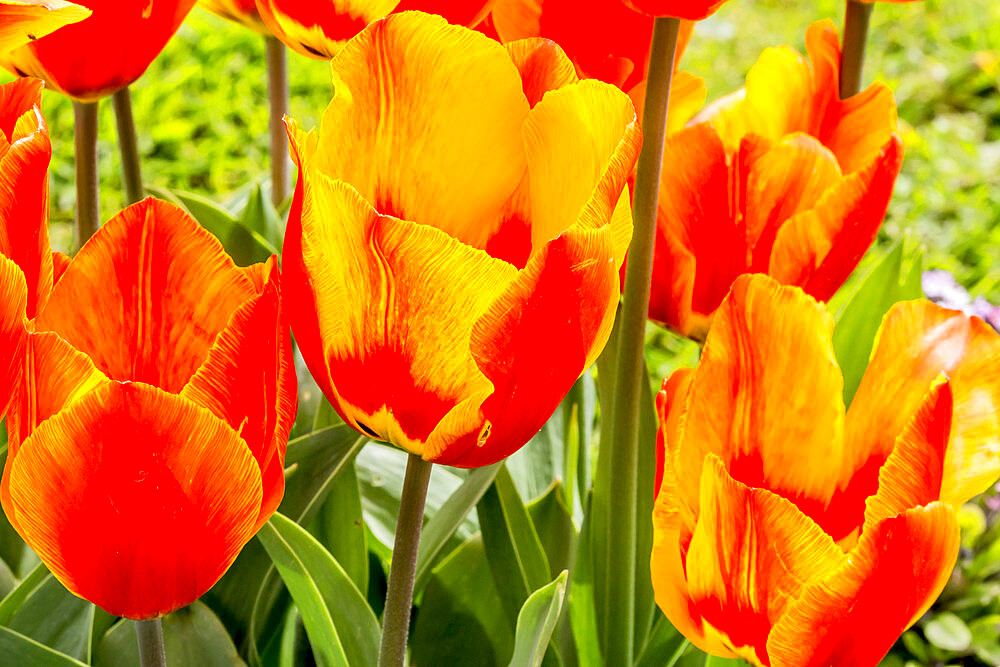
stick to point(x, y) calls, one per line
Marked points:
point(13, 300)
point(136, 499)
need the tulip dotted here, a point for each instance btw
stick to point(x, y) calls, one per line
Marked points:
point(23, 21)
point(155, 392)
point(691, 10)
point(606, 41)
point(788, 532)
point(239, 11)
point(104, 53)
point(794, 185)
point(320, 29)
point(452, 249)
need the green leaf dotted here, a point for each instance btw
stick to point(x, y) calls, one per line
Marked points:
point(893, 279)
point(536, 621)
point(582, 608)
point(461, 620)
point(446, 521)
point(340, 528)
point(948, 631)
point(53, 616)
point(513, 548)
point(13, 601)
point(260, 217)
point(986, 638)
point(715, 661)
point(664, 647)
point(191, 636)
point(341, 626)
point(16, 649)
point(554, 526)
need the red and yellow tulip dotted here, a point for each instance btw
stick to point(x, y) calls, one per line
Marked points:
point(692, 10)
point(104, 52)
point(790, 532)
point(150, 387)
point(794, 184)
point(452, 251)
point(23, 21)
point(319, 29)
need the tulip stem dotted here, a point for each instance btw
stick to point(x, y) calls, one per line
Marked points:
point(620, 579)
point(852, 54)
point(150, 636)
point(277, 90)
point(399, 597)
point(88, 201)
point(128, 145)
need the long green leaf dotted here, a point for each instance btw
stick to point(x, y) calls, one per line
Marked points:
point(16, 649)
point(53, 616)
point(340, 528)
point(14, 599)
point(582, 607)
point(338, 620)
point(447, 520)
point(536, 621)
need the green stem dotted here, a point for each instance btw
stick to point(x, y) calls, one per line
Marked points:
point(619, 637)
point(852, 54)
point(277, 91)
point(88, 202)
point(128, 145)
point(399, 597)
point(150, 636)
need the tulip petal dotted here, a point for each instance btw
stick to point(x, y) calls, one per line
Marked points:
point(460, 12)
point(536, 339)
point(426, 124)
point(854, 615)
point(766, 397)
point(147, 295)
point(691, 10)
point(320, 30)
point(23, 21)
point(582, 142)
point(918, 341)
point(13, 302)
point(24, 190)
point(395, 303)
point(819, 248)
point(752, 552)
point(543, 66)
point(248, 380)
point(135, 499)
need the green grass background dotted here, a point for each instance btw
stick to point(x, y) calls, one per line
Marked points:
point(202, 114)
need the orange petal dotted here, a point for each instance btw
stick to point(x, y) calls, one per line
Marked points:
point(536, 339)
point(23, 21)
point(394, 304)
point(135, 499)
point(248, 380)
point(782, 179)
point(320, 30)
point(854, 615)
point(243, 12)
point(752, 552)
point(700, 247)
point(147, 295)
point(918, 341)
point(582, 143)
point(692, 10)
point(13, 301)
point(671, 404)
point(543, 66)
point(767, 397)
point(426, 124)
point(687, 97)
point(459, 12)
point(24, 189)
point(819, 248)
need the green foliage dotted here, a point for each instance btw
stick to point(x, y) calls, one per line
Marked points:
point(536, 621)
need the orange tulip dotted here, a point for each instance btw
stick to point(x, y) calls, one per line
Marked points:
point(320, 29)
point(453, 245)
point(22, 21)
point(103, 53)
point(794, 185)
point(790, 533)
point(605, 41)
point(152, 399)
point(692, 10)
point(240, 11)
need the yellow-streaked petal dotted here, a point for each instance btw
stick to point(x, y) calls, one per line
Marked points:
point(23, 21)
point(767, 397)
point(320, 29)
point(543, 66)
point(14, 300)
point(425, 124)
